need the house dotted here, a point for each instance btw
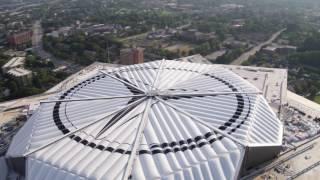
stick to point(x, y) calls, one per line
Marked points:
point(16, 62)
point(22, 75)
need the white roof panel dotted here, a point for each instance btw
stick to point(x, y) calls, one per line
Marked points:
point(164, 119)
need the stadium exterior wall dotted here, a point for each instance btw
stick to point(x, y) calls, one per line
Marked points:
point(255, 156)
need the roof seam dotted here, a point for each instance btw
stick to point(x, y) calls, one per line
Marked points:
point(198, 75)
point(137, 142)
point(248, 137)
point(77, 130)
point(90, 99)
point(156, 79)
point(127, 83)
point(33, 128)
point(238, 168)
point(209, 93)
point(56, 167)
point(201, 161)
point(201, 121)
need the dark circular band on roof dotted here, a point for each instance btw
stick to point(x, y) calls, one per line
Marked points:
point(165, 148)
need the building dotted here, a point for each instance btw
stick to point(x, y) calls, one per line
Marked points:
point(16, 62)
point(232, 43)
point(65, 31)
point(54, 34)
point(15, 69)
point(196, 36)
point(2, 27)
point(13, 53)
point(2, 34)
point(197, 58)
point(162, 33)
point(215, 55)
point(131, 56)
point(237, 23)
point(20, 38)
point(281, 49)
point(231, 7)
point(23, 76)
point(157, 120)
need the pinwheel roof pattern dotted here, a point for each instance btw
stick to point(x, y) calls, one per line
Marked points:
point(158, 120)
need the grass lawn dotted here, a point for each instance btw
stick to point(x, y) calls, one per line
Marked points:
point(317, 99)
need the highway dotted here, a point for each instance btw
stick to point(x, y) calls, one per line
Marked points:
point(245, 56)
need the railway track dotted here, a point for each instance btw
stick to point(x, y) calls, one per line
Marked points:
point(304, 171)
point(282, 158)
point(277, 163)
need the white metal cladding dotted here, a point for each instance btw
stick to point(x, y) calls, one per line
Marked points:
point(164, 119)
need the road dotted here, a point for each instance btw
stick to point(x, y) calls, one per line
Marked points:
point(37, 34)
point(18, 7)
point(138, 36)
point(37, 45)
point(245, 56)
point(38, 48)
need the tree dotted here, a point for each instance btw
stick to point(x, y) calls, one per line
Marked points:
point(36, 81)
point(30, 60)
point(312, 43)
point(13, 88)
point(183, 53)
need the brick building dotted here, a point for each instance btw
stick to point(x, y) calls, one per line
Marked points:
point(20, 38)
point(131, 56)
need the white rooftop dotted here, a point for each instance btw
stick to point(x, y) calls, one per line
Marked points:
point(14, 62)
point(12, 53)
point(158, 120)
point(272, 82)
point(19, 72)
point(194, 59)
point(274, 47)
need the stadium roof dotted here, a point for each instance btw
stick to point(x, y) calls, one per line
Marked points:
point(164, 119)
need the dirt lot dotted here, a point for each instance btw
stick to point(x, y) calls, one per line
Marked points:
point(179, 47)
